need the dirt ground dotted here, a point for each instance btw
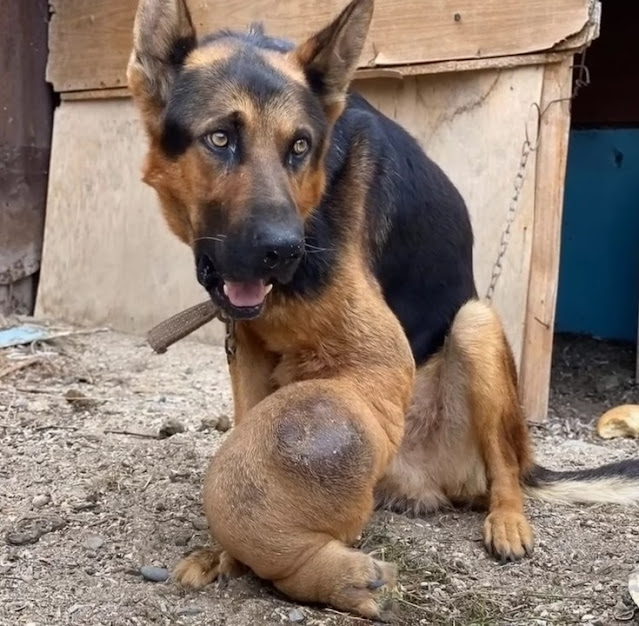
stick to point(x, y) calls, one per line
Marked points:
point(89, 493)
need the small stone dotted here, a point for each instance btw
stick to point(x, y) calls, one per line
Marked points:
point(40, 500)
point(588, 617)
point(183, 539)
point(200, 523)
point(78, 400)
point(29, 530)
point(208, 423)
point(190, 610)
point(175, 476)
point(296, 615)
point(155, 574)
point(171, 427)
point(223, 423)
point(93, 542)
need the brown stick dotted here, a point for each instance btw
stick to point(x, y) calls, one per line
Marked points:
point(180, 325)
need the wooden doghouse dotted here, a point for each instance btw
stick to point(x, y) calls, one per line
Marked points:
point(469, 79)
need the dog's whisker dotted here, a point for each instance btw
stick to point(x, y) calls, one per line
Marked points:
point(311, 248)
point(218, 238)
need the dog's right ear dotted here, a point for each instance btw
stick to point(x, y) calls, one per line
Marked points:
point(163, 36)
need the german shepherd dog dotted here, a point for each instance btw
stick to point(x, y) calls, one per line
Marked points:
point(366, 371)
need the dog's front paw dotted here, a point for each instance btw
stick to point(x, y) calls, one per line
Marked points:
point(508, 535)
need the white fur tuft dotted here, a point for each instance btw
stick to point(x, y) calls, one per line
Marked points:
point(604, 490)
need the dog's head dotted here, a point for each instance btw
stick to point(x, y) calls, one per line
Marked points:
point(238, 126)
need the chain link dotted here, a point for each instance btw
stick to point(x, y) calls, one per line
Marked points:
point(229, 339)
point(510, 218)
point(583, 80)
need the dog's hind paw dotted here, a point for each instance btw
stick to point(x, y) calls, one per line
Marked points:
point(203, 566)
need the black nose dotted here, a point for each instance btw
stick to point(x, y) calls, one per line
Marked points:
point(262, 251)
point(280, 253)
point(277, 248)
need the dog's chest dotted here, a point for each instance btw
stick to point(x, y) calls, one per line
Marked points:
point(303, 364)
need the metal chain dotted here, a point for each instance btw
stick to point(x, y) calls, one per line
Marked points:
point(582, 80)
point(510, 218)
point(229, 339)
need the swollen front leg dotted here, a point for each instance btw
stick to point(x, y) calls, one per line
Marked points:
point(291, 488)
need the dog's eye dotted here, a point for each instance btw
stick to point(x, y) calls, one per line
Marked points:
point(217, 139)
point(300, 147)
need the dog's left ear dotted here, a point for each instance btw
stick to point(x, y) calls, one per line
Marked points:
point(329, 58)
point(163, 36)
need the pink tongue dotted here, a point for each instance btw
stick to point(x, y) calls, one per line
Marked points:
point(245, 294)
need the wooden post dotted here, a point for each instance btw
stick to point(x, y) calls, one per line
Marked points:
point(544, 266)
point(25, 138)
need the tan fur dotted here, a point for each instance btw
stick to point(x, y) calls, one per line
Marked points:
point(621, 421)
point(605, 490)
point(294, 71)
point(251, 371)
point(351, 391)
point(328, 412)
point(466, 438)
point(205, 565)
point(340, 362)
point(210, 55)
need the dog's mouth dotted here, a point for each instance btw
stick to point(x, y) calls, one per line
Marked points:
point(247, 294)
point(241, 300)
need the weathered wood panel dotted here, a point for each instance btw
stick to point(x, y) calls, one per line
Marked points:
point(90, 40)
point(542, 288)
point(25, 134)
point(109, 258)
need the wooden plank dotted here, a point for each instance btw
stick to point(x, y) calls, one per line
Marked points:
point(25, 132)
point(544, 271)
point(97, 94)
point(90, 40)
point(443, 67)
point(109, 258)
point(398, 72)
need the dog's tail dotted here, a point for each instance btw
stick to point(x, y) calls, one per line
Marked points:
point(615, 483)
